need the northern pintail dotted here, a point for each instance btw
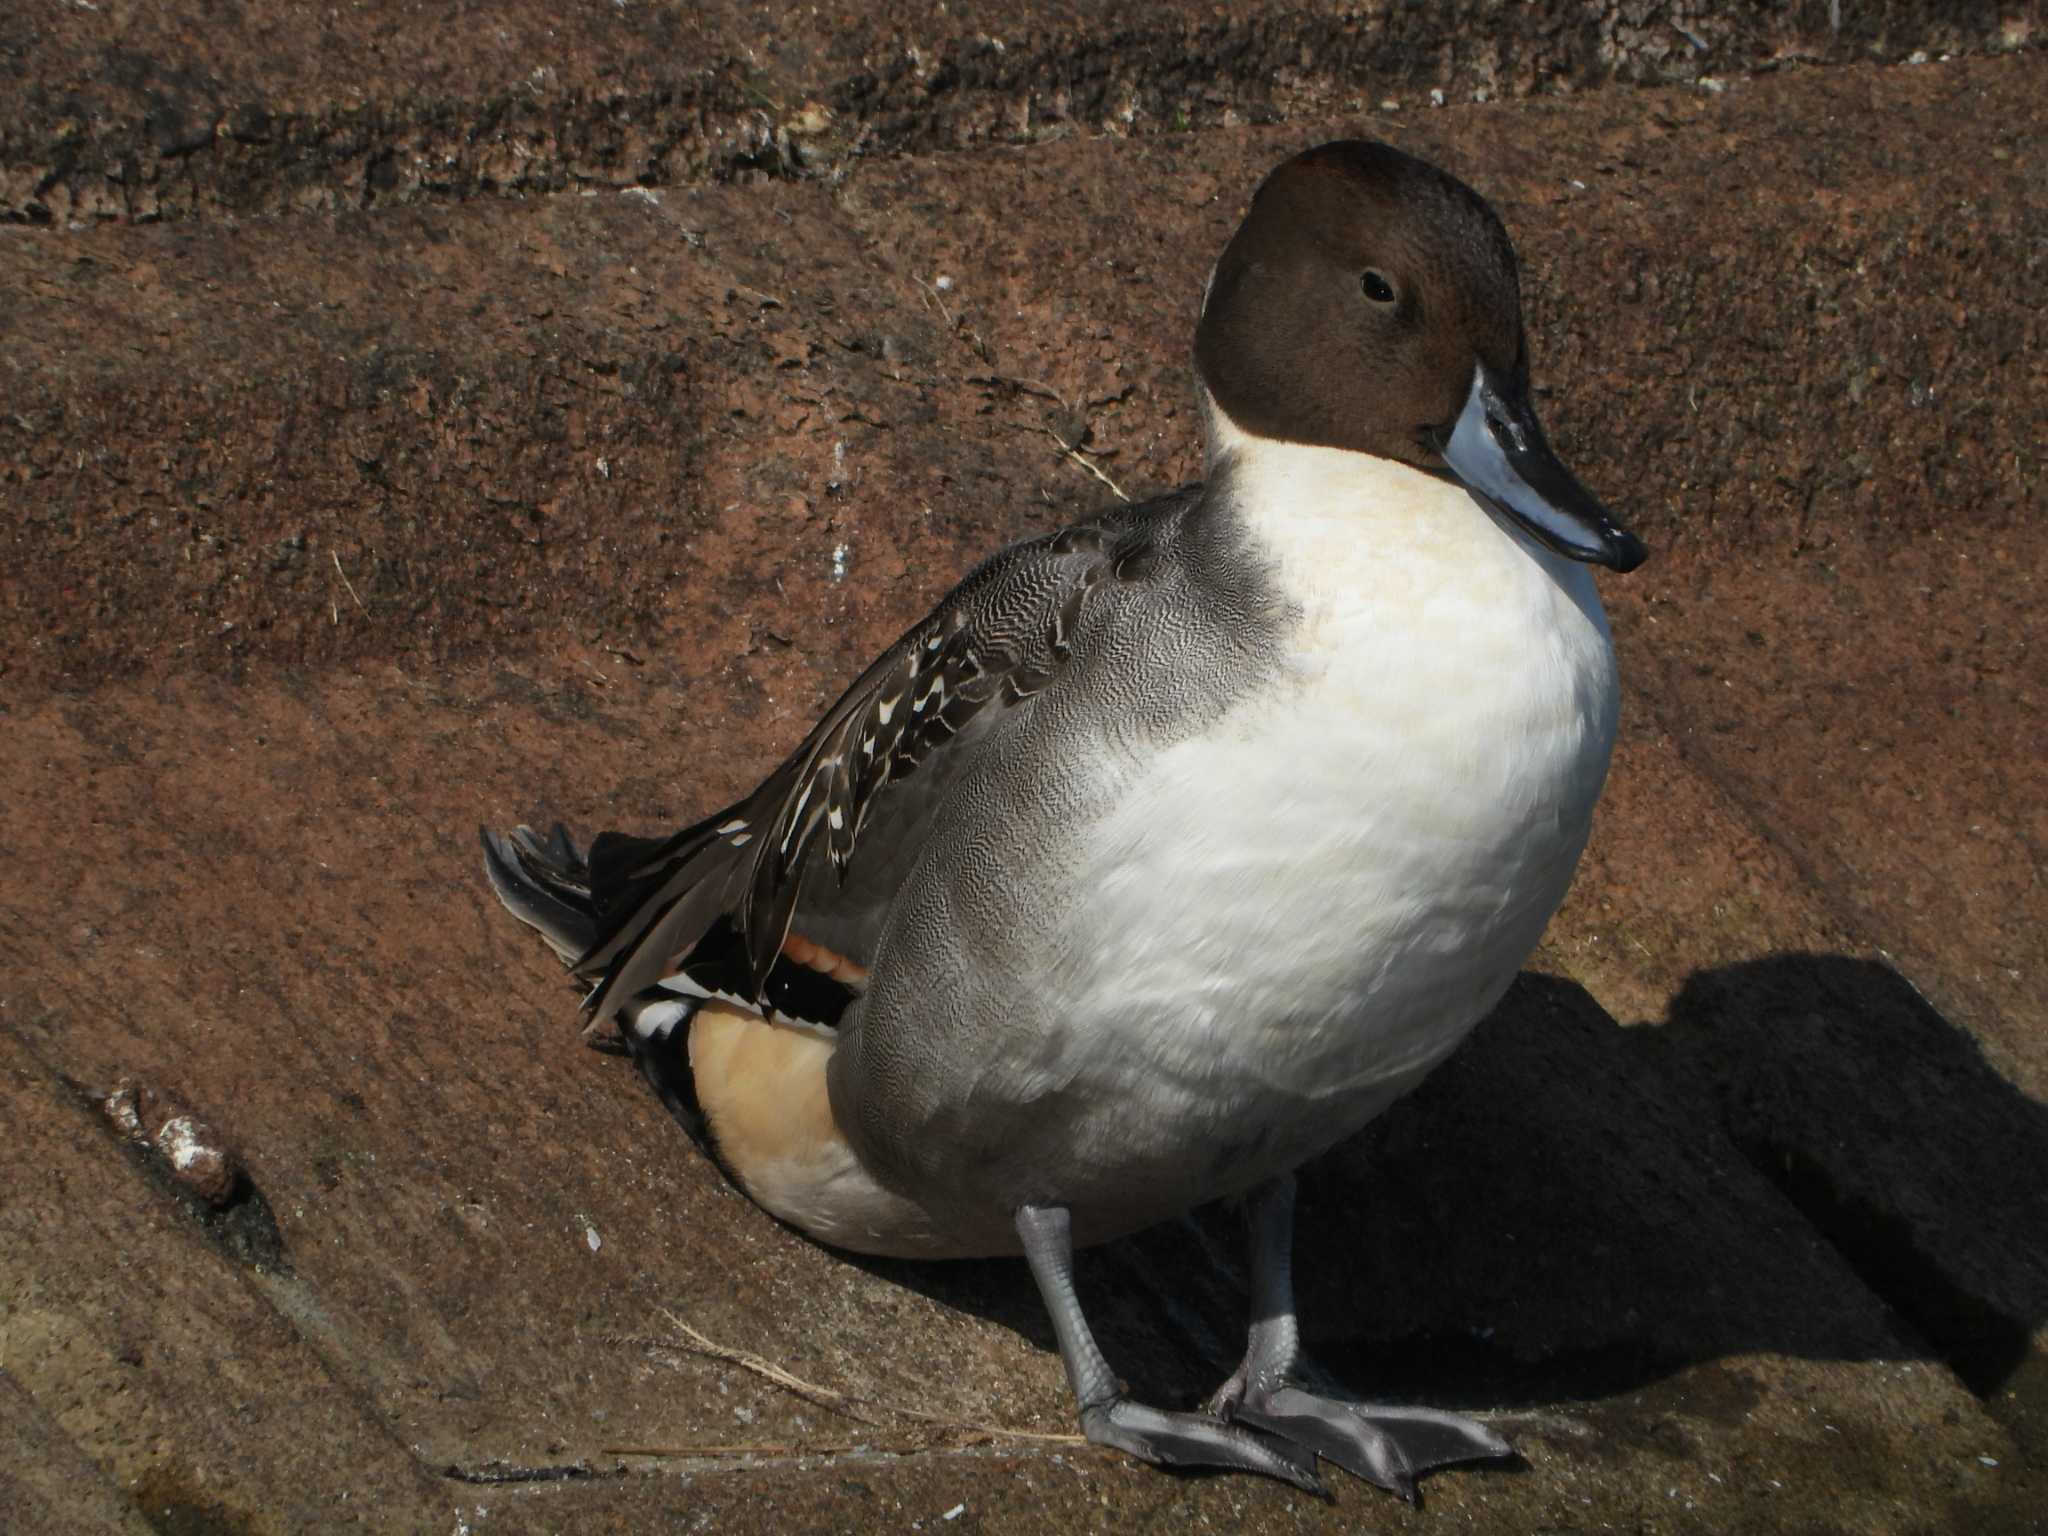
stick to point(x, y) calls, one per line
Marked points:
point(1174, 846)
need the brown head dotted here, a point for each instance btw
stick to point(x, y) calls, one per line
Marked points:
point(1370, 302)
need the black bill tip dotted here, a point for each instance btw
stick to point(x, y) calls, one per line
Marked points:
point(1497, 450)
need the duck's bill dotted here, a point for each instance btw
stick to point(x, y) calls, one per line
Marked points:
point(1497, 451)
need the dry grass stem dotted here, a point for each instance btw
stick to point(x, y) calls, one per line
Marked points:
point(824, 1397)
point(947, 1428)
point(1086, 463)
point(932, 297)
point(336, 558)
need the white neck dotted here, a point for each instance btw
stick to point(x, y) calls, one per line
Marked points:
point(1345, 528)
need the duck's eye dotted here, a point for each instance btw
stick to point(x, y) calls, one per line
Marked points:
point(1376, 286)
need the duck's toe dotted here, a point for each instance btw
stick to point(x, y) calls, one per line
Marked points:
point(1196, 1440)
point(1386, 1444)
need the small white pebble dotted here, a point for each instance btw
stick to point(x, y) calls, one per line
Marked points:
point(1436, 98)
point(180, 1139)
point(955, 1512)
point(943, 283)
point(1917, 56)
point(590, 1236)
point(1989, 1461)
point(1390, 105)
point(121, 1108)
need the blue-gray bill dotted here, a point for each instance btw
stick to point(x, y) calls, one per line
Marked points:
point(1497, 450)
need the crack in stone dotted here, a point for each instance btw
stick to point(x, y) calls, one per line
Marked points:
point(491, 1473)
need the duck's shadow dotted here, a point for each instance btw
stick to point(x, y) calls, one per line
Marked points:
point(1803, 1159)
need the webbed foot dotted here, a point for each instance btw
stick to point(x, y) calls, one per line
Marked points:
point(1390, 1445)
point(1197, 1440)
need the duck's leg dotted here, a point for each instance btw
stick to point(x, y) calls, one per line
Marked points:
point(1391, 1445)
point(1110, 1418)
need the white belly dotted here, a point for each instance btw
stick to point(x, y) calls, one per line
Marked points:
point(1296, 915)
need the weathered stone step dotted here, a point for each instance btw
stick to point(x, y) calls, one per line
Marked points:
point(148, 1356)
point(170, 111)
point(486, 1225)
point(1796, 319)
point(323, 538)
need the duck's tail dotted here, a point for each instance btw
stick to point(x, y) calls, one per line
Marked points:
point(750, 1086)
point(563, 894)
point(545, 883)
point(634, 910)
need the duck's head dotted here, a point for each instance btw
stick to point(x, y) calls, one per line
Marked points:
point(1369, 302)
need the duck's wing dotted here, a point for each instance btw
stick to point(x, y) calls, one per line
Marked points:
point(882, 756)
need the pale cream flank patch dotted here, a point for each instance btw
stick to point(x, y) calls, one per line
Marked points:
point(762, 1088)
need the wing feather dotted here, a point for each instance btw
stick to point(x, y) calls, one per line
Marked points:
point(996, 641)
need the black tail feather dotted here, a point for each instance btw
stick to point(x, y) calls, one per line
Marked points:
point(620, 863)
point(545, 884)
point(628, 913)
point(636, 910)
point(659, 929)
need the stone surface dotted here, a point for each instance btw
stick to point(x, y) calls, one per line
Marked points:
point(165, 1347)
point(176, 110)
point(47, 1484)
point(327, 536)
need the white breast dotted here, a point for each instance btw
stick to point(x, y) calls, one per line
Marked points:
point(1300, 912)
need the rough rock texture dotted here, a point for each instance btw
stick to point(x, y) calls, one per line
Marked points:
point(324, 536)
point(130, 112)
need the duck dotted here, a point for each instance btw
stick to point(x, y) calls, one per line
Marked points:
point(1172, 846)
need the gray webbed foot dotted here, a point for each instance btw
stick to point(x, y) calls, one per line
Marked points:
point(1389, 1445)
point(1196, 1440)
point(1107, 1416)
point(1386, 1444)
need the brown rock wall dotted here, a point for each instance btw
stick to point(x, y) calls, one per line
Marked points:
point(325, 535)
point(185, 110)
